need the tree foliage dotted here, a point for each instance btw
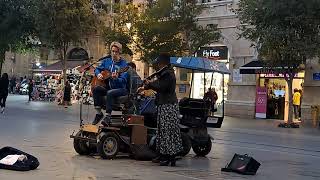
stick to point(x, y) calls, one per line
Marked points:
point(285, 33)
point(63, 23)
point(164, 26)
point(16, 26)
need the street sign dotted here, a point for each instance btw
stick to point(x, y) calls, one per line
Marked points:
point(316, 76)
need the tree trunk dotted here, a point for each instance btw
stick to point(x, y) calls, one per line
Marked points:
point(64, 65)
point(64, 70)
point(290, 109)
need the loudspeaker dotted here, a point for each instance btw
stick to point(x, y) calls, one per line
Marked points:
point(242, 164)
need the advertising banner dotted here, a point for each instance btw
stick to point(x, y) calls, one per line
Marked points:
point(261, 102)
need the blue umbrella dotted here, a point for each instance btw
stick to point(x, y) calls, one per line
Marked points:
point(199, 64)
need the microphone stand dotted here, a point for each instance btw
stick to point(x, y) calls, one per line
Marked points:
point(95, 62)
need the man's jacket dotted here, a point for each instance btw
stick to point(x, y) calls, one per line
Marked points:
point(112, 66)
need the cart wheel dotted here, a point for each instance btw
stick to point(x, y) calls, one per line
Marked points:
point(202, 149)
point(80, 146)
point(108, 145)
point(186, 144)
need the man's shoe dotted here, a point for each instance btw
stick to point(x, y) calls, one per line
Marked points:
point(106, 121)
point(97, 119)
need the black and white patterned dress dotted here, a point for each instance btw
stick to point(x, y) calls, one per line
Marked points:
point(168, 135)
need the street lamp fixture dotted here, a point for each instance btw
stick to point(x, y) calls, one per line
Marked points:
point(38, 64)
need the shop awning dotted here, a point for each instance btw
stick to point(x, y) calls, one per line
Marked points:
point(200, 64)
point(58, 66)
point(260, 67)
point(253, 67)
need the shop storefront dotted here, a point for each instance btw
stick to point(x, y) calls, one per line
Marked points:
point(272, 92)
point(202, 82)
point(277, 94)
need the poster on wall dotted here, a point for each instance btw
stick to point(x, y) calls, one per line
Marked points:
point(261, 102)
point(236, 76)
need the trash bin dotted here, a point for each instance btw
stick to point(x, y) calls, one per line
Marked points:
point(315, 110)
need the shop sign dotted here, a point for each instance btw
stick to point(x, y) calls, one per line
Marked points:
point(316, 76)
point(276, 75)
point(215, 53)
point(261, 102)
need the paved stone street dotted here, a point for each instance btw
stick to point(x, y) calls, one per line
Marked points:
point(43, 129)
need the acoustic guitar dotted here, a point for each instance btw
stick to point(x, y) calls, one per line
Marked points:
point(106, 75)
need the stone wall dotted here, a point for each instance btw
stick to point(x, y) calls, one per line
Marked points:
point(311, 91)
point(241, 109)
point(18, 65)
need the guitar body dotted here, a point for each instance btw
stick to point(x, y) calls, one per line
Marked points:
point(106, 75)
point(97, 82)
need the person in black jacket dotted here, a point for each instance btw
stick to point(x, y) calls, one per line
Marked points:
point(30, 89)
point(4, 85)
point(168, 142)
point(67, 94)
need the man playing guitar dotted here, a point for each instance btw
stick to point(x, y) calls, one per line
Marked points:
point(116, 85)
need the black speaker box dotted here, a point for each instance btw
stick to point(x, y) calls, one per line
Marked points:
point(242, 164)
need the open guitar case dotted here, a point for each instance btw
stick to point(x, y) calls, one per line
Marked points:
point(30, 163)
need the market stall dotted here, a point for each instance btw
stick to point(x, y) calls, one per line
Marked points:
point(49, 81)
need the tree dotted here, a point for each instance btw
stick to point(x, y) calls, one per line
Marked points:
point(285, 33)
point(16, 26)
point(118, 31)
point(63, 23)
point(164, 26)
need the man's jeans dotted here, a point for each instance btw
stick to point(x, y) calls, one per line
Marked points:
point(99, 93)
point(296, 111)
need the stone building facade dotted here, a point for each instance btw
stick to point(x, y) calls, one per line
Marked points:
point(241, 98)
point(241, 95)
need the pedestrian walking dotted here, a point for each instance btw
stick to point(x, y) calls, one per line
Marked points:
point(168, 142)
point(4, 88)
point(67, 94)
point(30, 89)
